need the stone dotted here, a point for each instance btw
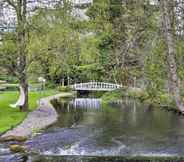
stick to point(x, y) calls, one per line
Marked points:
point(18, 148)
point(13, 138)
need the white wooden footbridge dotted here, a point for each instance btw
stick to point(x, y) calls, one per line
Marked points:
point(95, 86)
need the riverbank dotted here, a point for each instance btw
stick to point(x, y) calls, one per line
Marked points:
point(10, 117)
point(128, 128)
point(161, 99)
point(40, 118)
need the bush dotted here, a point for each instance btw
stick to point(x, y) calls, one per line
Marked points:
point(8, 78)
point(112, 96)
point(120, 93)
point(64, 88)
point(50, 85)
point(10, 87)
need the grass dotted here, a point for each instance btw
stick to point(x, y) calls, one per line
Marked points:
point(10, 117)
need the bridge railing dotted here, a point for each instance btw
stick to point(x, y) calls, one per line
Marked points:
point(96, 86)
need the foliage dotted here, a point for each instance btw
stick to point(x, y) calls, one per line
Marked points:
point(161, 99)
point(61, 46)
point(125, 92)
point(111, 96)
point(155, 69)
point(8, 53)
point(64, 88)
point(120, 42)
point(180, 58)
point(55, 48)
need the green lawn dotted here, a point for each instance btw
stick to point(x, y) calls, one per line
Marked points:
point(10, 117)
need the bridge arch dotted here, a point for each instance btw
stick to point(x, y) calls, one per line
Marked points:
point(95, 86)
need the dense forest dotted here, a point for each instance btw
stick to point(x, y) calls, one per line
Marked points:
point(130, 42)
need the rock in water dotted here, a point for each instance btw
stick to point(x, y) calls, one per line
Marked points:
point(13, 138)
point(18, 148)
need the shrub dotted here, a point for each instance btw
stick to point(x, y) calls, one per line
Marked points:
point(112, 96)
point(50, 85)
point(64, 88)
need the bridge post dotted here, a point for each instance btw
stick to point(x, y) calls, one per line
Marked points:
point(134, 82)
point(68, 79)
point(96, 86)
point(63, 82)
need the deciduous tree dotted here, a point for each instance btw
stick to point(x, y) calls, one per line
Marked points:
point(168, 16)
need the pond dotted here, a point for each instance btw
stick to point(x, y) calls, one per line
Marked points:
point(86, 127)
point(125, 130)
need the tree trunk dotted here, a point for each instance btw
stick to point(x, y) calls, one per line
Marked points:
point(22, 50)
point(167, 10)
point(22, 65)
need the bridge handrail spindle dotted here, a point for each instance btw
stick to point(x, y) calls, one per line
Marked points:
point(93, 85)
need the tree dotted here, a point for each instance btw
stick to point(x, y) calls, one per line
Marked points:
point(167, 11)
point(126, 29)
point(54, 44)
point(20, 70)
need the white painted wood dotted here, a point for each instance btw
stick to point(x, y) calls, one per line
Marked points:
point(96, 86)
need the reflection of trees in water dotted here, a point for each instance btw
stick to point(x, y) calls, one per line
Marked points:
point(68, 115)
point(130, 118)
point(148, 121)
point(134, 118)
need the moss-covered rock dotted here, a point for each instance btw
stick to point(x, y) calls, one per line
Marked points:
point(13, 138)
point(18, 148)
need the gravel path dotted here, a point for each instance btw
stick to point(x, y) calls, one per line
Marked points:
point(42, 117)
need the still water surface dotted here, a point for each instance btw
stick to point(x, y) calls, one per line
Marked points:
point(127, 128)
point(86, 129)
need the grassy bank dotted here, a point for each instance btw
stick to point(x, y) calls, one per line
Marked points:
point(161, 99)
point(125, 92)
point(10, 117)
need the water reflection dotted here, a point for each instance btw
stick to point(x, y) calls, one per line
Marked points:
point(87, 127)
point(86, 103)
